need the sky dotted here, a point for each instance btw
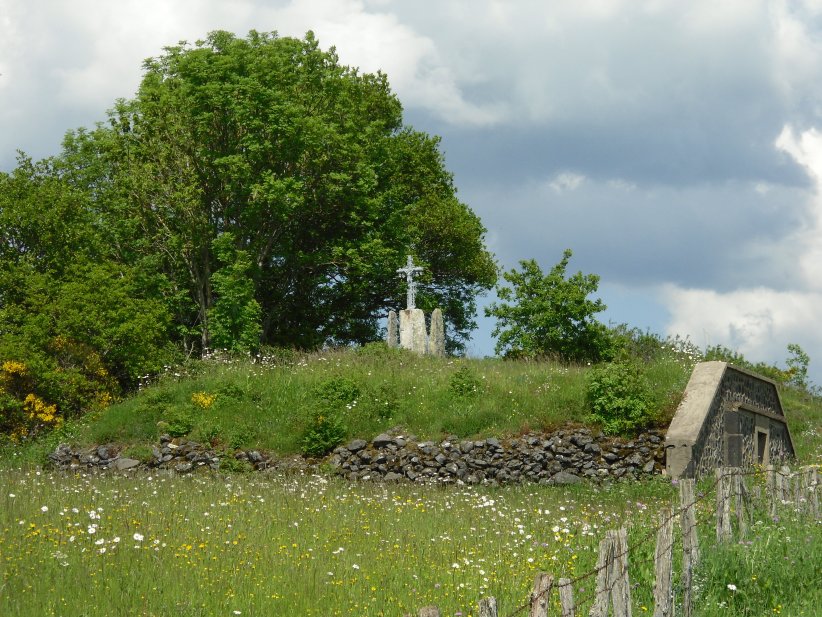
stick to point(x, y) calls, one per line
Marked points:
point(675, 147)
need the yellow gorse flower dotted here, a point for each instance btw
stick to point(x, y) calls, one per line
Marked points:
point(202, 399)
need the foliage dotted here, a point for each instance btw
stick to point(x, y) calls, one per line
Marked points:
point(797, 362)
point(306, 164)
point(464, 382)
point(549, 315)
point(254, 192)
point(796, 375)
point(234, 465)
point(234, 319)
point(619, 397)
point(325, 432)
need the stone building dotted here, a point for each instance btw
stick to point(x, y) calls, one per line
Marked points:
point(730, 417)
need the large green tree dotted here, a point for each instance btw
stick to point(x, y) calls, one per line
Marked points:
point(307, 165)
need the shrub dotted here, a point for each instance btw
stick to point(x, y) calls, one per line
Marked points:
point(337, 392)
point(465, 383)
point(179, 421)
point(619, 397)
point(324, 433)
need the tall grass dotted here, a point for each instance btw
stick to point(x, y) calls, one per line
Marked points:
point(309, 545)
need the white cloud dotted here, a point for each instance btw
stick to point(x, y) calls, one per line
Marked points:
point(566, 181)
point(760, 322)
point(757, 322)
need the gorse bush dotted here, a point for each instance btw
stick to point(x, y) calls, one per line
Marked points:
point(619, 397)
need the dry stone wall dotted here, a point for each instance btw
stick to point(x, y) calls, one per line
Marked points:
point(563, 457)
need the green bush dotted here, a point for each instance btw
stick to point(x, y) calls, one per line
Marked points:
point(465, 383)
point(619, 397)
point(324, 433)
point(180, 420)
point(234, 465)
point(550, 315)
point(337, 392)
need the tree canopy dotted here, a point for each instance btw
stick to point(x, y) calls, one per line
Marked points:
point(254, 191)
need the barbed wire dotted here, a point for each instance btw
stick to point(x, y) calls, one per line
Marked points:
point(703, 495)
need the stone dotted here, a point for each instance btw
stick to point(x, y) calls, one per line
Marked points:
point(436, 339)
point(382, 440)
point(648, 467)
point(125, 463)
point(565, 477)
point(356, 445)
point(413, 333)
point(393, 334)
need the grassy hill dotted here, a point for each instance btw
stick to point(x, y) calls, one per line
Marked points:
point(287, 402)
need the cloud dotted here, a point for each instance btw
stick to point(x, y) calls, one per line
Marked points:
point(566, 181)
point(761, 321)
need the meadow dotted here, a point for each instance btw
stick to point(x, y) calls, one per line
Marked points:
point(83, 545)
point(155, 544)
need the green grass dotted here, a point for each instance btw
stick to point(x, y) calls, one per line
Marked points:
point(270, 405)
point(309, 545)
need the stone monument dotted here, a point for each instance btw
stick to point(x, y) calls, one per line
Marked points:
point(412, 333)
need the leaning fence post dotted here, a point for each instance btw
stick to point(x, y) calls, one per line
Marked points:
point(723, 505)
point(566, 597)
point(690, 544)
point(488, 607)
point(539, 597)
point(663, 565)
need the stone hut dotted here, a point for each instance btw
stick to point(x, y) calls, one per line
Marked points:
point(729, 416)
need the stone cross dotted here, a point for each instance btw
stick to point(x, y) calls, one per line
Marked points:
point(409, 271)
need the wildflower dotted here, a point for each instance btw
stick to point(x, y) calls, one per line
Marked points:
point(355, 566)
point(731, 587)
point(138, 537)
point(44, 509)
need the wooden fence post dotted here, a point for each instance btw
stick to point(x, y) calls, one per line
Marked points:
point(690, 544)
point(429, 611)
point(613, 586)
point(787, 476)
point(723, 505)
point(771, 489)
point(488, 607)
point(812, 492)
point(539, 597)
point(566, 597)
point(742, 501)
point(663, 565)
point(600, 605)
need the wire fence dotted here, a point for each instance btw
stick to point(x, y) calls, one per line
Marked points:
point(733, 510)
